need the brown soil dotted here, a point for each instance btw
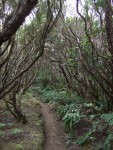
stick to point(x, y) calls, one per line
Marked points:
point(55, 137)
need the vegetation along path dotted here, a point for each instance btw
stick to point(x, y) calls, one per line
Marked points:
point(55, 137)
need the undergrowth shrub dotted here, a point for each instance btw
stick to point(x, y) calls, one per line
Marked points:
point(70, 115)
point(62, 97)
point(2, 133)
point(103, 124)
point(108, 118)
point(2, 125)
point(16, 131)
point(72, 109)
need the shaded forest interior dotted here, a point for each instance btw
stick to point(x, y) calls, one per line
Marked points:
point(66, 58)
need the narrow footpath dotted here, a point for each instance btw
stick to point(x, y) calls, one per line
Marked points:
point(55, 137)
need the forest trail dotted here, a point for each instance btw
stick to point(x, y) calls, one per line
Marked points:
point(55, 137)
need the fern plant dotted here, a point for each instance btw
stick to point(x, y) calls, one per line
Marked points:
point(19, 146)
point(81, 140)
point(107, 144)
point(2, 125)
point(2, 133)
point(16, 131)
point(108, 118)
point(98, 126)
point(70, 119)
point(88, 135)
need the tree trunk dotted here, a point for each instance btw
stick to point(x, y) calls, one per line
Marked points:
point(23, 9)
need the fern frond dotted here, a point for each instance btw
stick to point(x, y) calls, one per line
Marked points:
point(108, 118)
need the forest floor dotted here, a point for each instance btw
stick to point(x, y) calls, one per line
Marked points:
point(44, 131)
point(15, 136)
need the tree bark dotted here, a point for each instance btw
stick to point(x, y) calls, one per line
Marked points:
point(109, 26)
point(23, 9)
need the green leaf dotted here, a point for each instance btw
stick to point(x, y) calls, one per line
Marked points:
point(82, 140)
point(101, 3)
point(108, 118)
point(2, 133)
point(2, 125)
point(16, 131)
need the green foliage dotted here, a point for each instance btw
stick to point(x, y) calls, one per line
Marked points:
point(70, 119)
point(51, 96)
point(73, 113)
point(19, 146)
point(2, 133)
point(62, 97)
point(101, 3)
point(27, 95)
point(10, 124)
point(107, 144)
point(70, 115)
point(16, 131)
point(108, 118)
point(69, 141)
point(2, 125)
point(98, 126)
point(72, 108)
point(88, 135)
point(82, 140)
point(62, 110)
point(6, 112)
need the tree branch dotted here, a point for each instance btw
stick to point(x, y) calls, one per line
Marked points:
point(17, 19)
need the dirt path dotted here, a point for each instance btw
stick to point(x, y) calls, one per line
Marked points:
point(55, 137)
